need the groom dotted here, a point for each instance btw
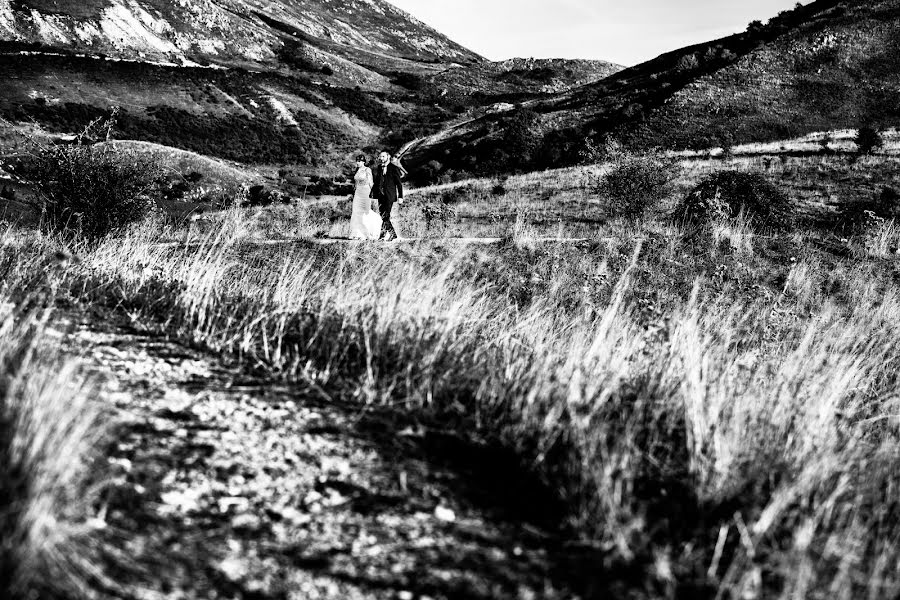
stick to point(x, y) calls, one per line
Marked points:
point(387, 189)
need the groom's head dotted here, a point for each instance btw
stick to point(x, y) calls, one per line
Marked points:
point(384, 158)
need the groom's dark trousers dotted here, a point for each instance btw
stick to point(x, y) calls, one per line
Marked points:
point(387, 189)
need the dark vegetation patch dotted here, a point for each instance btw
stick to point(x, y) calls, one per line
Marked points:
point(362, 104)
point(728, 194)
point(233, 137)
point(860, 214)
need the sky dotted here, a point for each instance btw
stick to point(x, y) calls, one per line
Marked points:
point(622, 31)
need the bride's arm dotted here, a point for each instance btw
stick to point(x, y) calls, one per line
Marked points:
point(369, 177)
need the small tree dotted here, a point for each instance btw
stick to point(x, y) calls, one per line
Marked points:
point(90, 188)
point(755, 27)
point(688, 62)
point(868, 139)
point(635, 184)
point(520, 138)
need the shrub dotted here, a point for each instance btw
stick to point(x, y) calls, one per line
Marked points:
point(520, 136)
point(458, 194)
point(864, 215)
point(688, 62)
point(437, 213)
point(868, 139)
point(637, 183)
point(90, 189)
point(593, 152)
point(727, 194)
point(260, 195)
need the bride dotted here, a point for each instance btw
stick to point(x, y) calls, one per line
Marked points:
point(365, 224)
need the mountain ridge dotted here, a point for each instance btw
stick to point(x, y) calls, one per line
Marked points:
point(225, 31)
point(771, 82)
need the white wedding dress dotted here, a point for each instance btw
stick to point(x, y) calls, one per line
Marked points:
point(365, 223)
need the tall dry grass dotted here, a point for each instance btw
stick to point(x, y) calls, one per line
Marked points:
point(730, 444)
point(49, 437)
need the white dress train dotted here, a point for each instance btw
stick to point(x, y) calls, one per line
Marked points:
point(365, 224)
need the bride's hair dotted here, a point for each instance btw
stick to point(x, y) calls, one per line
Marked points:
point(361, 158)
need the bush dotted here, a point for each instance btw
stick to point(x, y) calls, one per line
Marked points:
point(437, 213)
point(688, 62)
point(868, 139)
point(458, 194)
point(90, 189)
point(862, 215)
point(727, 194)
point(260, 195)
point(520, 136)
point(593, 152)
point(637, 183)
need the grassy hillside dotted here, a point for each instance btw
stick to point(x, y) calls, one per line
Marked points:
point(230, 114)
point(825, 65)
point(839, 70)
point(521, 78)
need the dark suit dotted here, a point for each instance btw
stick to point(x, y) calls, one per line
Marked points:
point(387, 189)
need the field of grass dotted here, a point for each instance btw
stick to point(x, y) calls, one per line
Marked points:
point(714, 411)
point(565, 203)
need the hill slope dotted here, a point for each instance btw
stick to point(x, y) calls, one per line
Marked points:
point(524, 75)
point(266, 82)
point(833, 72)
point(826, 65)
point(222, 31)
point(277, 82)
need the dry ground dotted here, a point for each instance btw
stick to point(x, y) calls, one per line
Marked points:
point(228, 485)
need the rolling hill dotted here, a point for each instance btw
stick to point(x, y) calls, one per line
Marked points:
point(303, 83)
point(299, 82)
point(827, 65)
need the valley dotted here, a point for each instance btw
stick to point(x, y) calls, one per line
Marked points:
point(638, 338)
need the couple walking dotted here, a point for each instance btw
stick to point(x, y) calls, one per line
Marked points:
point(384, 185)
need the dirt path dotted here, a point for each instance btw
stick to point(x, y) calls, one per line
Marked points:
point(230, 487)
point(401, 241)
